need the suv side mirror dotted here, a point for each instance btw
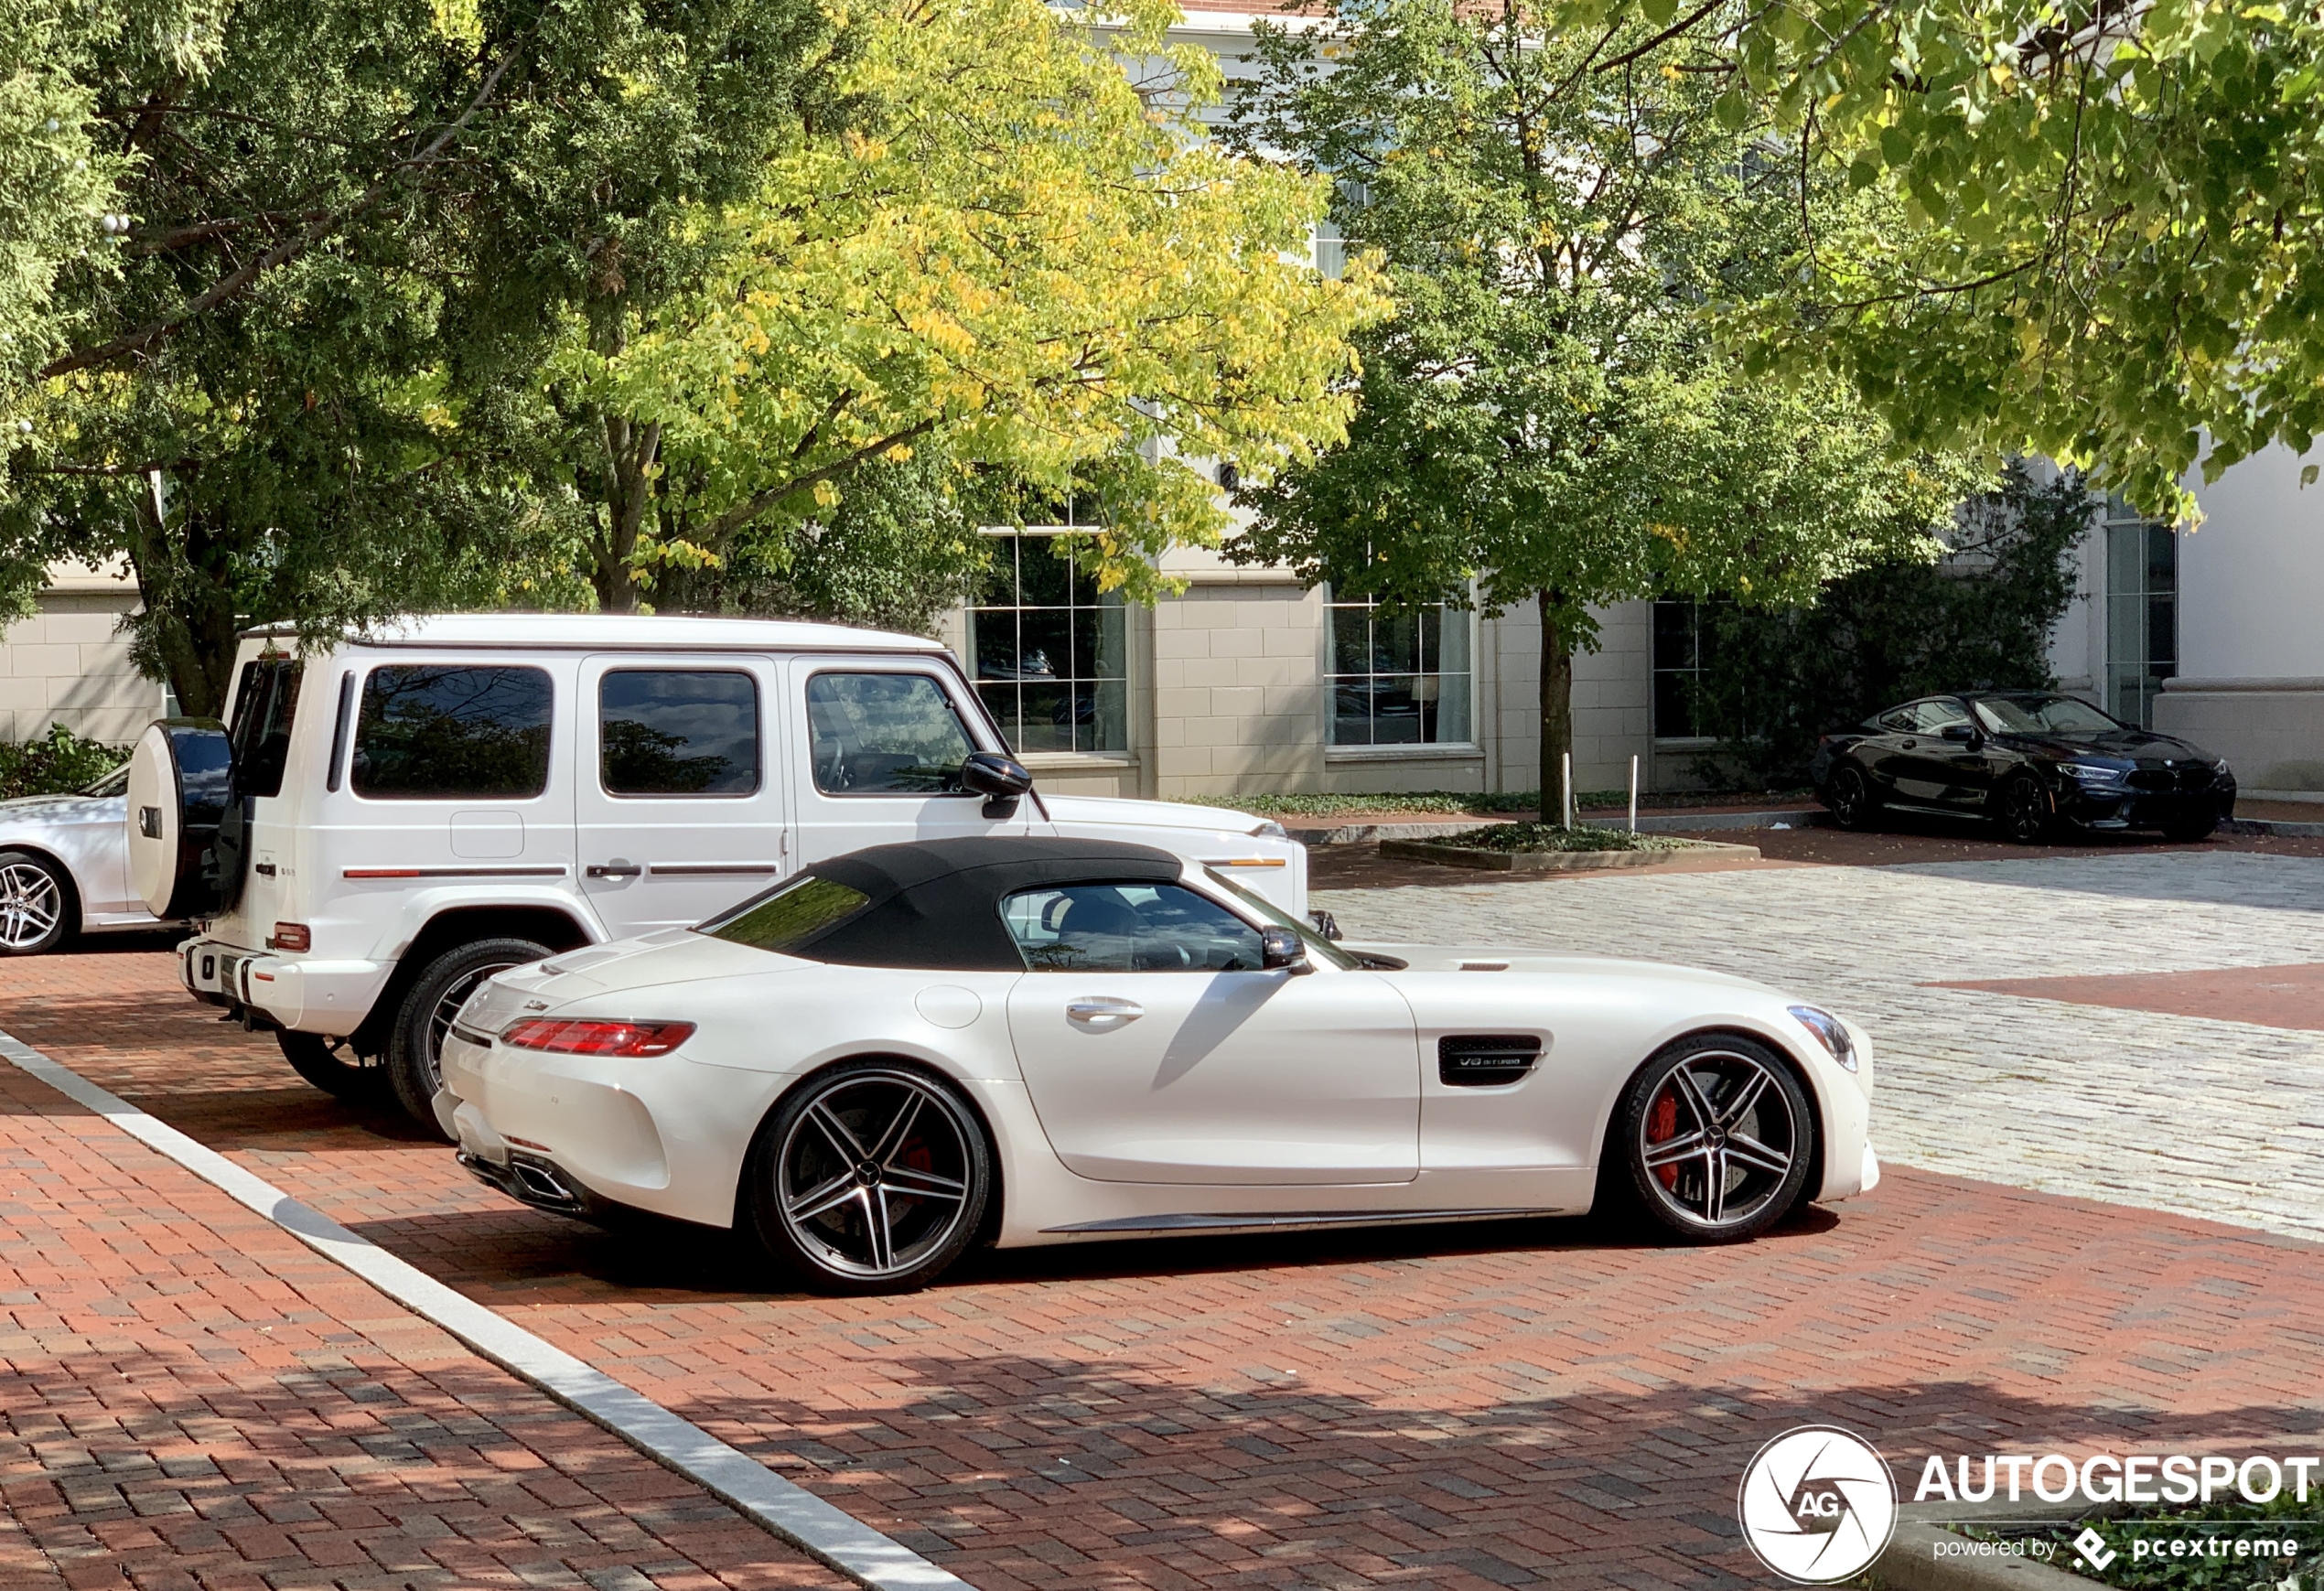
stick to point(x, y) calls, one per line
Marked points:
point(999, 780)
point(1964, 733)
point(1282, 949)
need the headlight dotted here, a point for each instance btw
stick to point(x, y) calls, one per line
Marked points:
point(1829, 1031)
point(1269, 830)
point(2095, 772)
point(2222, 770)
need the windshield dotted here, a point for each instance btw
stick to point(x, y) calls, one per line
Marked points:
point(1319, 947)
point(2043, 716)
point(110, 784)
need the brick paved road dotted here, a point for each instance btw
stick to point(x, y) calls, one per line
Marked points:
point(2195, 1115)
point(194, 1397)
point(1518, 1405)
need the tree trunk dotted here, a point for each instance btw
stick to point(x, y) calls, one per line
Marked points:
point(184, 585)
point(630, 451)
point(1557, 699)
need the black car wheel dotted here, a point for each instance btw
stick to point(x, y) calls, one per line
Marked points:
point(1716, 1136)
point(871, 1178)
point(333, 1066)
point(37, 913)
point(1849, 798)
point(416, 1042)
point(2025, 813)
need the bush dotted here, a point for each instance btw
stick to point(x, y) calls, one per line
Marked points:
point(56, 765)
point(1775, 679)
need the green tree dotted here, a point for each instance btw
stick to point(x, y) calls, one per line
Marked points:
point(303, 379)
point(1547, 419)
point(2101, 235)
point(1773, 678)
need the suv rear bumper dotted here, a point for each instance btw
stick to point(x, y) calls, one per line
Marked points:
point(307, 994)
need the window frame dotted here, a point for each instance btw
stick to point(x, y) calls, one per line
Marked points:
point(355, 732)
point(1016, 536)
point(807, 727)
point(1330, 677)
point(760, 734)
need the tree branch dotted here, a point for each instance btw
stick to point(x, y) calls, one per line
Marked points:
point(1664, 37)
point(750, 507)
point(234, 282)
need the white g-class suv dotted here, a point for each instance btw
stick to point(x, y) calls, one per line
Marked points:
point(381, 825)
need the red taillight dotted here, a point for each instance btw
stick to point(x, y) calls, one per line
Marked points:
point(291, 936)
point(584, 1037)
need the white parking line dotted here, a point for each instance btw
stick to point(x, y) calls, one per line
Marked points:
point(798, 1516)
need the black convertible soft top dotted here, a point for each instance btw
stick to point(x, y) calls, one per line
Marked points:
point(934, 903)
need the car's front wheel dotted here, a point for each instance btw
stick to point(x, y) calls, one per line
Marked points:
point(871, 1177)
point(36, 905)
point(2024, 810)
point(1716, 1138)
point(415, 1044)
point(1848, 797)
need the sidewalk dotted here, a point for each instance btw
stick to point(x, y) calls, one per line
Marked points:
point(194, 1398)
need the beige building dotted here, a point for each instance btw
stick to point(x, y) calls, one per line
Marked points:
point(69, 663)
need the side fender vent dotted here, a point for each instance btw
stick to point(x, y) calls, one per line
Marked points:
point(1478, 1060)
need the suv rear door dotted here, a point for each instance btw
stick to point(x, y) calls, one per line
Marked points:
point(679, 790)
point(879, 743)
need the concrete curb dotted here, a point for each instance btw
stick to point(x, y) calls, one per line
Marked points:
point(2275, 826)
point(1555, 861)
point(1657, 823)
point(1914, 1559)
point(790, 1513)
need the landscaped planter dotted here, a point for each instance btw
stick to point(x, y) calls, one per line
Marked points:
point(1544, 848)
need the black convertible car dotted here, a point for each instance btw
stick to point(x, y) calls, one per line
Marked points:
point(2029, 761)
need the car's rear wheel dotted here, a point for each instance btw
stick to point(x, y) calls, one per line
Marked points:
point(415, 1044)
point(1716, 1137)
point(1849, 798)
point(2023, 810)
point(872, 1178)
point(333, 1066)
point(37, 911)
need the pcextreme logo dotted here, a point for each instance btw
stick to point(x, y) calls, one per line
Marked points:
point(1818, 1505)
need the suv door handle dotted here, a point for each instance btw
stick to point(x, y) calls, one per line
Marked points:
point(1104, 1011)
point(617, 868)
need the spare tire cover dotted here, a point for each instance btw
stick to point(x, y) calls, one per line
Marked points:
point(179, 782)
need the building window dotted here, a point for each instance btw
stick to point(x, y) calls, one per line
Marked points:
point(1400, 678)
point(2142, 612)
point(1681, 646)
point(1050, 648)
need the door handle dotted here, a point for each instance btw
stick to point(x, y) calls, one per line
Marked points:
point(617, 868)
point(1104, 1011)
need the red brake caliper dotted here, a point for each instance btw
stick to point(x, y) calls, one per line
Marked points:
point(1662, 1126)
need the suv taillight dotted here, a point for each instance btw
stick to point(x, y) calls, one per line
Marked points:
point(584, 1037)
point(291, 936)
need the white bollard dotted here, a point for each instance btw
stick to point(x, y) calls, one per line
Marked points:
point(1566, 798)
point(1633, 794)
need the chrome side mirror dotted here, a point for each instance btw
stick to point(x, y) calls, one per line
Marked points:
point(1282, 949)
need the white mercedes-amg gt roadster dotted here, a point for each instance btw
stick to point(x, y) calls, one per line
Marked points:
point(904, 1051)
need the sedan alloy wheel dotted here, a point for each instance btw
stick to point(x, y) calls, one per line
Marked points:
point(871, 1179)
point(2024, 810)
point(1719, 1137)
point(1849, 798)
point(32, 906)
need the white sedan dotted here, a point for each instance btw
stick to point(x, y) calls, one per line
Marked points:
point(64, 867)
point(913, 1048)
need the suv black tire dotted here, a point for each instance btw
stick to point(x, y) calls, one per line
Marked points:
point(435, 996)
point(335, 1068)
point(32, 887)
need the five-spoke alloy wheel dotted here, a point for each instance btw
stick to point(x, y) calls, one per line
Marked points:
point(1717, 1137)
point(36, 911)
point(872, 1178)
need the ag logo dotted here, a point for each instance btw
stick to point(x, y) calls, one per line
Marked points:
point(1818, 1505)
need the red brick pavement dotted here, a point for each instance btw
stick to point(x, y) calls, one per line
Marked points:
point(194, 1398)
point(1520, 1405)
point(2290, 996)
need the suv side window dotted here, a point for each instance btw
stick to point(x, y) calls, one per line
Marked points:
point(665, 732)
point(452, 731)
point(259, 733)
point(1129, 928)
point(882, 733)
